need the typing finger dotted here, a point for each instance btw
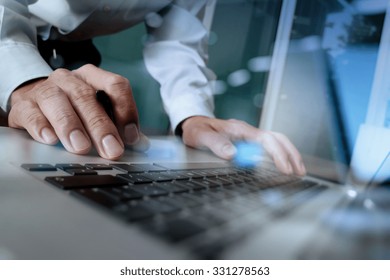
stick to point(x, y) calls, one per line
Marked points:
point(56, 107)
point(119, 91)
point(97, 123)
point(27, 115)
point(284, 154)
point(293, 154)
point(286, 158)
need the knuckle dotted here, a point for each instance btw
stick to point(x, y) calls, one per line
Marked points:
point(281, 136)
point(82, 93)
point(232, 120)
point(64, 118)
point(49, 92)
point(98, 122)
point(28, 114)
point(237, 122)
point(35, 119)
point(118, 82)
point(237, 125)
point(60, 72)
point(123, 100)
point(266, 137)
point(15, 117)
point(87, 67)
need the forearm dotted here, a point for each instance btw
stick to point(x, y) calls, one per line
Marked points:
point(176, 56)
point(20, 59)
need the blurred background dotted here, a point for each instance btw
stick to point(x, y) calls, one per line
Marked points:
point(240, 45)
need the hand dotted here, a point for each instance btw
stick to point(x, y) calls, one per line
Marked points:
point(64, 107)
point(217, 135)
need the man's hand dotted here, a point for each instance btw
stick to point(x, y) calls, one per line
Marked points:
point(217, 135)
point(64, 107)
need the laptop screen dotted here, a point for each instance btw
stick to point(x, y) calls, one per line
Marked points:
point(325, 84)
point(381, 176)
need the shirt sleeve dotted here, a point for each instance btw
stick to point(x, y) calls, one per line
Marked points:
point(176, 55)
point(20, 58)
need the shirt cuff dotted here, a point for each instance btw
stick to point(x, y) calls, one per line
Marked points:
point(20, 63)
point(188, 105)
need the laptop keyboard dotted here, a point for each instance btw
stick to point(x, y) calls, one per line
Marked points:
point(183, 203)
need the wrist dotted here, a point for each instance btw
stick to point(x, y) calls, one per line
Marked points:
point(183, 125)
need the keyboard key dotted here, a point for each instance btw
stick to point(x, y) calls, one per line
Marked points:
point(193, 165)
point(220, 181)
point(205, 196)
point(121, 194)
point(98, 198)
point(127, 168)
point(149, 190)
point(178, 175)
point(137, 168)
point(158, 177)
point(176, 229)
point(135, 178)
point(208, 183)
point(128, 211)
point(149, 167)
point(65, 166)
point(98, 166)
point(192, 174)
point(81, 172)
point(138, 212)
point(205, 173)
point(180, 204)
point(190, 185)
point(159, 206)
point(144, 209)
point(172, 187)
point(186, 200)
point(87, 181)
point(38, 167)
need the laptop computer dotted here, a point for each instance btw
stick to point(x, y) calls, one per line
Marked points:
point(173, 202)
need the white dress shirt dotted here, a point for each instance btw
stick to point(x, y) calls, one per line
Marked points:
point(175, 53)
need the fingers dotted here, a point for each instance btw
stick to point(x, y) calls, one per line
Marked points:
point(119, 91)
point(204, 136)
point(284, 154)
point(142, 145)
point(217, 136)
point(98, 125)
point(64, 107)
point(27, 114)
point(286, 158)
point(294, 156)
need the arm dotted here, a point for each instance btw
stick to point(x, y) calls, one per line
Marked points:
point(176, 57)
point(61, 105)
point(20, 59)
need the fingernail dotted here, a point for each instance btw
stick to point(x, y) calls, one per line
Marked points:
point(303, 168)
point(131, 134)
point(48, 136)
point(79, 141)
point(111, 146)
point(143, 144)
point(229, 150)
